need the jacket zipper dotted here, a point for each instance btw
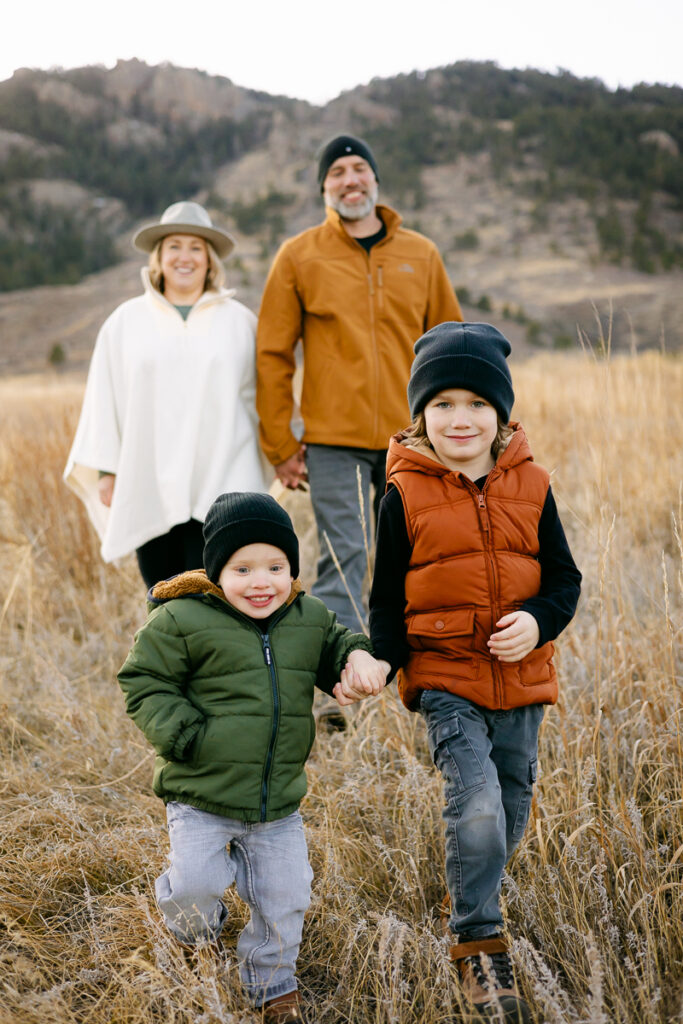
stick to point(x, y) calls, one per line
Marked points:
point(493, 582)
point(373, 338)
point(268, 657)
point(270, 663)
point(375, 353)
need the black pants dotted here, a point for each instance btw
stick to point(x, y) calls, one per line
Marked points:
point(176, 551)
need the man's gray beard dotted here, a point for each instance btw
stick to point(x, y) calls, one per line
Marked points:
point(355, 212)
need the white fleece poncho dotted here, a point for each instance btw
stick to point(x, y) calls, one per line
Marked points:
point(169, 407)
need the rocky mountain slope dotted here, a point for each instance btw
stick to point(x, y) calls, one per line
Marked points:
point(557, 204)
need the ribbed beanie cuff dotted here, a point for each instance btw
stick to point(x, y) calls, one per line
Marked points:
point(468, 356)
point(343, 145)
point(240, 518)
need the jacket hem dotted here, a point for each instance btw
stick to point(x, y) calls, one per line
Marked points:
point(546, 693)
point(248, 814)
point(332, 441)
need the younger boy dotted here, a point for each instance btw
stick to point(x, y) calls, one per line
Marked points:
point(220, 680)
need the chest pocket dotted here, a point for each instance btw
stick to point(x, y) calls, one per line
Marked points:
point(332, 286)
point(448, 631)
point(402, 290)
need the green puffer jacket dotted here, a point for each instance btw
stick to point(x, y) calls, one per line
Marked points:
point(227, 708)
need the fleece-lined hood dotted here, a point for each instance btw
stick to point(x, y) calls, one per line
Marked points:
point(421, 458)
point(195, 583)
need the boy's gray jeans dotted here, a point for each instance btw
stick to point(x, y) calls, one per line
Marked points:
point(268, 862)
point(488, 762)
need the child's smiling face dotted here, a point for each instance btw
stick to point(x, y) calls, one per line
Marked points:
point(461, 428)
point(256, 580)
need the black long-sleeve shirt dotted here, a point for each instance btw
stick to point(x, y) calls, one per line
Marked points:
point(553, 607)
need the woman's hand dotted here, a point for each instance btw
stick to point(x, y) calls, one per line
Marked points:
point(105, 488)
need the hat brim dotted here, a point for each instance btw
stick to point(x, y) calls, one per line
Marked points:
point(147, 238)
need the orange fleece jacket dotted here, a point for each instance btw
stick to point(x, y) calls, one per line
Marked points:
point(358, 315)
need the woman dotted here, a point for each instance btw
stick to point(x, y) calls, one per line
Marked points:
point(168, 419)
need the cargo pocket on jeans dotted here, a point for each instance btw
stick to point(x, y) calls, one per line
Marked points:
point(524, 805)
point(454, 755)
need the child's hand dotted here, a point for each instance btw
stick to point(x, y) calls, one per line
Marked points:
point(519, 635)
point(362, 676)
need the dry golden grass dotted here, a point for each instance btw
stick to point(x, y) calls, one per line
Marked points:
point(593, 895)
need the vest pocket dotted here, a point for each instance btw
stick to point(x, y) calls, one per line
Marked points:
point(536, 667)
point(443, 644)
point(450, 632)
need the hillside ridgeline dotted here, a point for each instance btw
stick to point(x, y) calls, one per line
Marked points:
point(553, 199)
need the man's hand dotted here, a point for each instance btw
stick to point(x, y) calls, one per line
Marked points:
point(292, 472)
point(105, 488)
point(362, 676)
point(519, 635)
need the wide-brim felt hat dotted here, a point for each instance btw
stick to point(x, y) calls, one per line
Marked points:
point(185, 218)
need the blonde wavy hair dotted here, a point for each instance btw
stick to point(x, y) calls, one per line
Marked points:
point(416, 435)
point(215, 275)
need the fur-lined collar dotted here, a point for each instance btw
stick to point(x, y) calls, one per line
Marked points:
point(196, 582)
point(423, 448)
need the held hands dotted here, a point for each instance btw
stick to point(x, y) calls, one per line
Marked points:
point(519, 635)
point(362, 676)
point(292, 472)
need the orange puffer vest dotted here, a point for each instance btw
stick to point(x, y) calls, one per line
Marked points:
point(474, 559)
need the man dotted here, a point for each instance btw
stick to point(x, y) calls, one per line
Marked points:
point(358, 289)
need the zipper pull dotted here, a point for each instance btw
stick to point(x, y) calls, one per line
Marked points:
point(482, 510)
point(371, 285)
point(266, 649)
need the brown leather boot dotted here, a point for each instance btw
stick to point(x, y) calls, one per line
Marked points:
point(492, 985)
point(284, 1009)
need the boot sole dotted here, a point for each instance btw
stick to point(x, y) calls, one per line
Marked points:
point(514, 1011)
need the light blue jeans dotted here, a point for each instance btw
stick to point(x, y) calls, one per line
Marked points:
point(268, 862)
point(333, 478)
point(488, 762)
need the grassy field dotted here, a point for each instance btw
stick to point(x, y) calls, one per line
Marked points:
point(593, 896)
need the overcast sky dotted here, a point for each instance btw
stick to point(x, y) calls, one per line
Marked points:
point(314, 50)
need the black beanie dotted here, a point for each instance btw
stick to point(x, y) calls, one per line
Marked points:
point(455, 355)
point(240, 518)
point(343, 145)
